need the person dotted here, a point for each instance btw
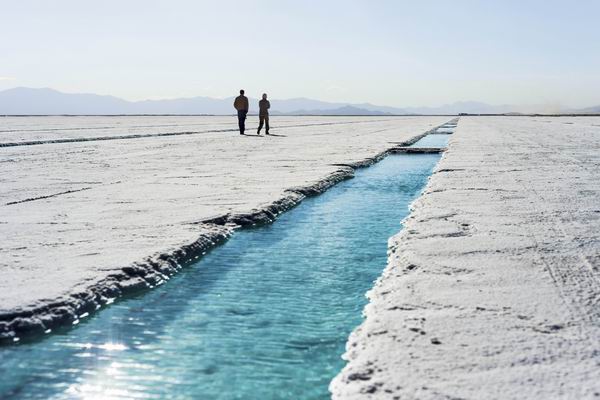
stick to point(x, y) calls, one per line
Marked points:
point(263, 114)
point(241, 105)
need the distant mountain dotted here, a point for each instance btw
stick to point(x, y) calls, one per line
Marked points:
point(470, 107)
point(27, 101)
point(305, 106)
point(345, 110)
point(48, 101)
point(588, 110)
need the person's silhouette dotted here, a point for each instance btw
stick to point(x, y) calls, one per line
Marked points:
point(241, 105)
point(263, 114)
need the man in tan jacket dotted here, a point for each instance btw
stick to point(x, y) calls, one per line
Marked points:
point(241, 105)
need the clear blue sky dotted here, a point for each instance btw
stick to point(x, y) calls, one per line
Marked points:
point(398, 53)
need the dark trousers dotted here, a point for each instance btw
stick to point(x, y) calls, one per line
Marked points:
point(242, 120)
point(263, 119)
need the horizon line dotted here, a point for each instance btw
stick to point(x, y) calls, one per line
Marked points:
point(553, 104)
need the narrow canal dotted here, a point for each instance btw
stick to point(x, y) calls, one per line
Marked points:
point(264, 316)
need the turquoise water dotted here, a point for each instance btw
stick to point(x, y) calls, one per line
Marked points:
point(264, 316)
point(433, 140)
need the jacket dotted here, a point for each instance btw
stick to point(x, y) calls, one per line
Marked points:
point(241, 103)
point(263, 107)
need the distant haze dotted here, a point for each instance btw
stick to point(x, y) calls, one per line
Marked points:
point(29, 101)
point(398, 53)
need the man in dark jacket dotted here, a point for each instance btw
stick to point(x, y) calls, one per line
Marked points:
point(241, 105)
point(263, 113)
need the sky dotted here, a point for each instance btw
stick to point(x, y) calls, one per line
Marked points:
point(396, 53)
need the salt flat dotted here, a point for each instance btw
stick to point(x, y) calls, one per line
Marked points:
point(82, 221)
point(493, 288)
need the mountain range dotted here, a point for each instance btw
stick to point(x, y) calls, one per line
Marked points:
point(45, 101)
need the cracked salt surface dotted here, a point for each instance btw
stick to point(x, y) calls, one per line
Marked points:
point(492, 288)
point(153, 203)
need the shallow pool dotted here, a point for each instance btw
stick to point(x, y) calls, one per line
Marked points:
point(264, 316)
point(433, 140)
